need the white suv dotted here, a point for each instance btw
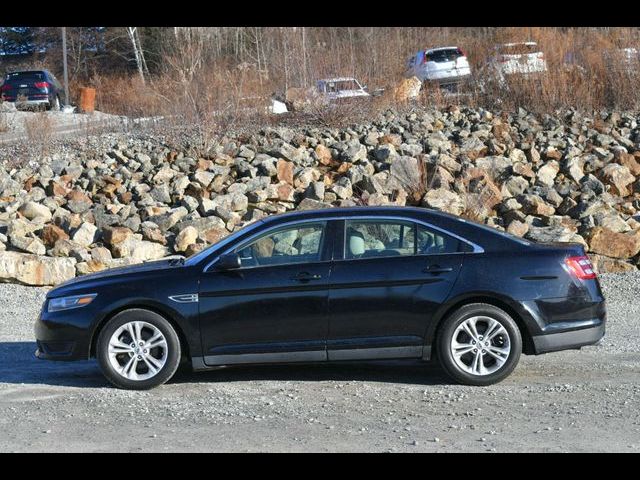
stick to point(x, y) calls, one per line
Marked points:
point(520, 57)
point(444, 65)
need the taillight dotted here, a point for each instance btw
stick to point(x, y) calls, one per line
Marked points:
point(5, 88)
point(41, 84)
point(581, 267)
point(461, 52)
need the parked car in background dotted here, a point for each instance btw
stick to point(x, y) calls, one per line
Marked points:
point(444, 65)
point(341, 88)
point(519, 58)
point(36, 88)
point(340, 284)
point(624, 60)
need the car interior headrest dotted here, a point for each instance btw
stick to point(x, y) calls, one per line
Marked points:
point(356, 243)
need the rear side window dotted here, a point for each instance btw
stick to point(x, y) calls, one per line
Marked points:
point(432, 242)
point(390, 238)
point(445, 55)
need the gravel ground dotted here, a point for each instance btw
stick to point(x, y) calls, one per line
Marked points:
point(587, 400)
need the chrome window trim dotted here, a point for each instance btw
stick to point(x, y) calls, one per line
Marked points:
point(476, 248)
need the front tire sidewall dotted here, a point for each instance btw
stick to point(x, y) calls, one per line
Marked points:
point(173, 349)
point(446, 333)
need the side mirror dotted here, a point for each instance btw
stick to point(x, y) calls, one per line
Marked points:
point(230, 261)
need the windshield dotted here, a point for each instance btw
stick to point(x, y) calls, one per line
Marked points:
point(198, 257)
point(444, 55)
point(28, 77)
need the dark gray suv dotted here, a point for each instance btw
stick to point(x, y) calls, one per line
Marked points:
point(37, 88)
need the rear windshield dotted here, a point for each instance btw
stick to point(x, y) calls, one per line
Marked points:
point(518, 49)
point(28, 77)
point(342, 85)
point(444, 55)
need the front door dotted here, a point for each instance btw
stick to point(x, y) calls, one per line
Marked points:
point(389, 280)
point(273, 308)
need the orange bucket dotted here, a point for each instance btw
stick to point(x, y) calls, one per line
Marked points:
point(87, 99)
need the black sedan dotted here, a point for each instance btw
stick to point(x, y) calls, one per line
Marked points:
point(332, 285)
point(32, 88)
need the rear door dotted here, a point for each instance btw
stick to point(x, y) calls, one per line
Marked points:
point(388, 278)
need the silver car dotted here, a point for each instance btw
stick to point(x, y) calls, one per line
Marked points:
point(444, 65)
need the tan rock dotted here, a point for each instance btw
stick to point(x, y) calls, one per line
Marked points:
point(619, 177)
point(33, 210)
point(603, 264)
point(612, 244)
point(34, 269)
point(323, 154)
point(518, 228)
point(186, 237)
point(285, 171)
point(116, 235)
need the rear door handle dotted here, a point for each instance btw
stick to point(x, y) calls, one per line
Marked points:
point(305, 277)
point(435, 269)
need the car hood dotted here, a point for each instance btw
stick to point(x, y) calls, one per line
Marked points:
point(109, 275)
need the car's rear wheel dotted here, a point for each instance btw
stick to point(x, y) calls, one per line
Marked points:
point(138, 350)
point(479, 344)
point(54, 103)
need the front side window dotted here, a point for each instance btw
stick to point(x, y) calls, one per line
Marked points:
point(300, 244)
point(390, 238)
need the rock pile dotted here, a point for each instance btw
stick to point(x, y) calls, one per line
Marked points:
point(563, 177)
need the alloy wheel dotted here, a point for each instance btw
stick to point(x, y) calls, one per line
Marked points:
point(137, 350)
point(480, 345)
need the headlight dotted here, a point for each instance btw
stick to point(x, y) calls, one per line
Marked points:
point(65, 303)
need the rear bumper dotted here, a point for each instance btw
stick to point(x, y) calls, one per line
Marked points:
point(32, 102)
point(568, 335)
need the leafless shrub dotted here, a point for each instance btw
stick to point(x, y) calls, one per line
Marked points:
point(39, 131)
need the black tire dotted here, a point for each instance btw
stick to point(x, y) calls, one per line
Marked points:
point(54, 103)
point(445, 336)
point(173, 353)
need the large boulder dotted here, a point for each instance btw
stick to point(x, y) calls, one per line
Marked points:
point(444, 200)
point(35, 269)
point(612, 244)
point(32, 210)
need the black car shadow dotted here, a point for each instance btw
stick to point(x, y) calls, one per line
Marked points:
point(18, 365)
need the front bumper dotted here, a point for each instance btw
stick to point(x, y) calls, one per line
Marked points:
point(63, 335)
point(569, 335)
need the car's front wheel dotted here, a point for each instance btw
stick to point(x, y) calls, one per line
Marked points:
point(479, 344)
point(138, 350)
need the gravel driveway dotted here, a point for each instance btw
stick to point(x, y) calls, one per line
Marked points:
point(586, 400)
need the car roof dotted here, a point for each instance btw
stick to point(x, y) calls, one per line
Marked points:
point(441, 48)
point(513, 44)
point(24, 72)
